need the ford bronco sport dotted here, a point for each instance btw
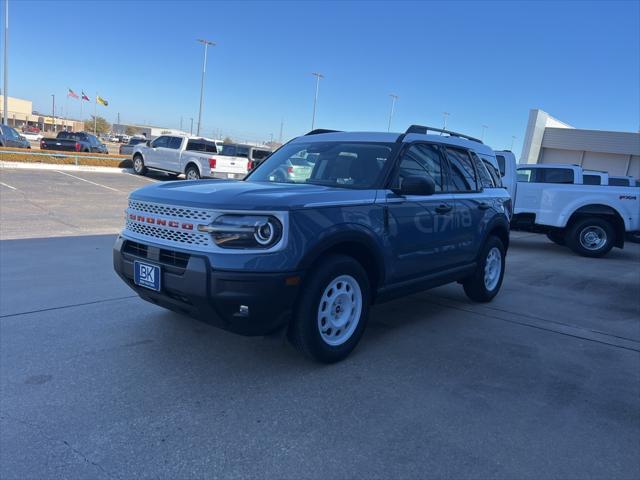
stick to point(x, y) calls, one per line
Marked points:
point(374, 217)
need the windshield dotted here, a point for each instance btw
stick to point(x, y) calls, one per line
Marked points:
point(336, 164)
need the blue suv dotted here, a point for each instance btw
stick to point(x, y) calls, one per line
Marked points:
point(329, 224)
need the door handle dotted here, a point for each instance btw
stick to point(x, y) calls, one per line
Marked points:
point(484, 206)
point(443, 208)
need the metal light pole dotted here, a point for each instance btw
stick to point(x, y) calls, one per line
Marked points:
point(484, 128)
point(281, 125)
point(5, 106)
point(206, 44)
point(53, 110)
point(445, 115)
point(315, 99)
point(191, 129)
point(393, 106)
point(513, 140)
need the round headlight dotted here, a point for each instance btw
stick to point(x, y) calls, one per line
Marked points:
point(265, 233)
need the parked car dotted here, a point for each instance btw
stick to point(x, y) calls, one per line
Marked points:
point(9, 137)
point(379, 216)
point(236, 160)
point(74, 142)
point(177, 154)
point(127, 149)
point(590, 219)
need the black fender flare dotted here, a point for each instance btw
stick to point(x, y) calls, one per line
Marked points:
point(498, 222)
point(345, 234)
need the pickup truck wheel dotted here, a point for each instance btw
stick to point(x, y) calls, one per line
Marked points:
point(591, 237)
point(192, 173)
point(332, 311)
point(485, 283)
point(138, 165)
point(556, 237)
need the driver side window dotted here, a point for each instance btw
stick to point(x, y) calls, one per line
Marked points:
point(160, 142)
point(421, 160)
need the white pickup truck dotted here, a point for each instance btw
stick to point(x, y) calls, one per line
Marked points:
point(197, 157)
point(177, 154)
point(554, 199)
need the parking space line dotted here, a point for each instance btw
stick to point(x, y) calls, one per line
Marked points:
point(89, 181)
point(8, 186)
point(142, 178)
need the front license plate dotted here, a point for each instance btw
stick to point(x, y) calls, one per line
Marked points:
point(146, 275)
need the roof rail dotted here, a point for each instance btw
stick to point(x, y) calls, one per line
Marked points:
point(424, 130)
point(318, 131)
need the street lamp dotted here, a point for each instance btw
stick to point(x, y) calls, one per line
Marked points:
point(513, 140)
point(315, 99)
point(53, 111)
point(445, 115)
point(484, 128)
point(206, 44)
point(393, 106)
point(5, 114)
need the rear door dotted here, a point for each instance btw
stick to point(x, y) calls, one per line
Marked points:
point(471, 204)
point(420, 226)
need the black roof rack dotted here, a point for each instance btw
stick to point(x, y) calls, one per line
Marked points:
point(424, 130)
point(318, 131)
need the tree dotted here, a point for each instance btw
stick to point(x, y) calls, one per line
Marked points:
point(131, 130)
point(101, 125)
point(228, 140)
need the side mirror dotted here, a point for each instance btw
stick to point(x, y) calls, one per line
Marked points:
point(416, 185)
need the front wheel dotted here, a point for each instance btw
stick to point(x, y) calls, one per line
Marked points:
point(485, 283)
point(138, 165)
point(332, 311)
point(591, 237)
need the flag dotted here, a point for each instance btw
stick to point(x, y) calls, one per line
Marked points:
point(84, 96)
point(72, 94)
point(101, 100)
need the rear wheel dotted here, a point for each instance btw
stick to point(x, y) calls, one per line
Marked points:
point(138, 165)
point(556, 236)
point(332, 311)
point(486, 281)
point(591, 237)
point(192, 173)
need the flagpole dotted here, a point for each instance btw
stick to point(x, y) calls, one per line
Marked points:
point(95, 112)
point(66, 111)
point(81, 100)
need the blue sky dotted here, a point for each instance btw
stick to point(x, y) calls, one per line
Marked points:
point(484, 62)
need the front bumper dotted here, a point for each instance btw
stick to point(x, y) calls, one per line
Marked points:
point(190, 285)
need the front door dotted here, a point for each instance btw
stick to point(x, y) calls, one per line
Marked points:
point(419, 227)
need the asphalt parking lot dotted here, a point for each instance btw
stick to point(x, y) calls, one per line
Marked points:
point(544, 382)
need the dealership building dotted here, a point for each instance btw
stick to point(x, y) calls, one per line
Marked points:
point(549, 140)
point(20, 114)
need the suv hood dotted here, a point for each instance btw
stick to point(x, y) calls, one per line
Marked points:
point(240, 195)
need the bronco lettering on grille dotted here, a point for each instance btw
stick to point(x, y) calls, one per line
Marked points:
point(160, 221)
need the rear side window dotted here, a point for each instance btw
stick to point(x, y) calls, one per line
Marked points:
point(546, 175)
point(174, 143)
point(421, 161)
point(201, 145)
point(618, 182)
point(463, 175)
point(555, 175)
point(590, 179)
point(501, 164)
point(483, 174)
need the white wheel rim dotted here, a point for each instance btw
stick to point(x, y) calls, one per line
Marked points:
point(192, 175)
point(593, 237)
point(492, 269)
point(339, 310)
point(137, 164)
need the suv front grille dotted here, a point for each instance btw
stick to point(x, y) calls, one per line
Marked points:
point(169, 211)
point(135, 248)
point(177, 259)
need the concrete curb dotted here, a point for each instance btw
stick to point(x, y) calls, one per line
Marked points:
point(54, 166)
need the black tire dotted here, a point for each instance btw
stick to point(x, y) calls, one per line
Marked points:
point(557, 237)
point(138, 165)
point(591, 237)
point(192, 173)
point(476, 287)
point(305, 329)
